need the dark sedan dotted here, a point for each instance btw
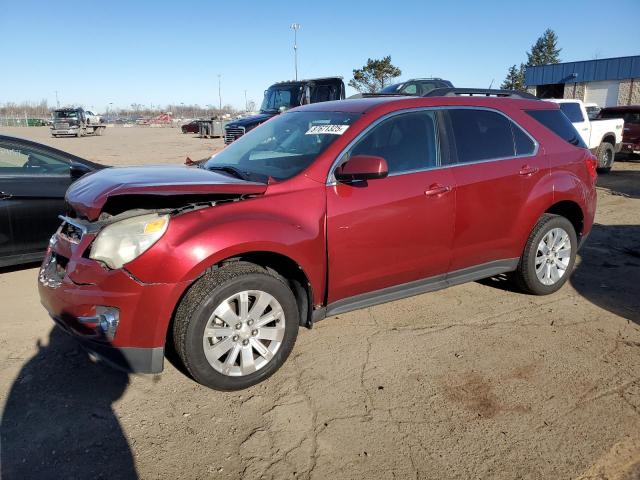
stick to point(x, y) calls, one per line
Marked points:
point(33, 181)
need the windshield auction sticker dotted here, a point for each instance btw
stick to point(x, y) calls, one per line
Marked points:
point(327, 130)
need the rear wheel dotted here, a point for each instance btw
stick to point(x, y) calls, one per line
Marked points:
point(236, 326)
point(606, 156)
point(548, 257)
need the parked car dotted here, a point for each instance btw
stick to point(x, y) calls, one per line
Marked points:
point(603, 137)
point(76, 122)
point(33, 181)
point(191, 127)
point(92, 118)
point(416, 86)
point(283, 96)
point(631, 133)
point(324, 209)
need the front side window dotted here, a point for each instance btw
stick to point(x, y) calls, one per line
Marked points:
point(18, 160)
point(572, 111)
point(283, 146)
point(408, 142)
point(481, 135)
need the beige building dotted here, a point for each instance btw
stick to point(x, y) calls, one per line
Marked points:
point(607, 82)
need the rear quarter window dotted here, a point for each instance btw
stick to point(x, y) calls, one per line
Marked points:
point(558, 123)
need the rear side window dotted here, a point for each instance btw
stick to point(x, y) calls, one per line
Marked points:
point(524, 144)
point(481, 135)
point(558, 123)
point(572, 111)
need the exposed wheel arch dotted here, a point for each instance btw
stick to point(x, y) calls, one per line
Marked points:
point(571, 211)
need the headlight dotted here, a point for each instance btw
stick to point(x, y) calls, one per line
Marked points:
point(123, 241)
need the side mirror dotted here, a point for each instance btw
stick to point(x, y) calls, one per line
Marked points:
point(362, 167)
point(77, 170)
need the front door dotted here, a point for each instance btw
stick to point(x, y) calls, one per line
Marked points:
point(33, 185)
point(398, 229)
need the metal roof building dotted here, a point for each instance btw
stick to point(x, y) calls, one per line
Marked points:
point(606, 82)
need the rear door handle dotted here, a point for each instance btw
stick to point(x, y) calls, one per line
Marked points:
point(4, 195)
point(437, 189)
point(526, 170)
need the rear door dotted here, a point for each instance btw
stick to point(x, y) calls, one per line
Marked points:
point(495, 169)
point(33, 182)
point(398, 229)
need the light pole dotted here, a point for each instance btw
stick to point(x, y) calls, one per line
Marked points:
point(57, 101)
point(219, 94)
point(295, 27)
point(246, 106)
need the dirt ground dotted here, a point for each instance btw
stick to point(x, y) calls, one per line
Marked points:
point(472, 382)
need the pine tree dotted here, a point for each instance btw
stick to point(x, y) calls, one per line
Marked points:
point(375, 75)
point(515, 78)
point(545, 51)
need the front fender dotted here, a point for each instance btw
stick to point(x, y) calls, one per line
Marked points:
point(291, 224)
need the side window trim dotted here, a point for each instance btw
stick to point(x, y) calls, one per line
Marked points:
point(448, 142)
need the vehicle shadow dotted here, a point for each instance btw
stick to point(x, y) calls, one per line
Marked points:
point(608, 274)
point(58, 420)
point(621, 182)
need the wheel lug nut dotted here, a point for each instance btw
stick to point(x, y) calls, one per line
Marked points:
point(250, 322)
point(254, 332)
point(238, 326)
point(235, 338)
point(245, 342)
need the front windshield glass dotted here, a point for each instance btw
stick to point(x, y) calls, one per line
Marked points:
point(66, 114)
point(392, 88)
point(281, 96)
point(282, 147)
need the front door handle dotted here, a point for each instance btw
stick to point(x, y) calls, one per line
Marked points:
point(436, 190)
point(527, 170)
point(4, 195)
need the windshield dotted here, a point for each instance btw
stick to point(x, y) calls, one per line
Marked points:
point(66, 114)
point(282, 147)
point(281, 96)
point(391, 88)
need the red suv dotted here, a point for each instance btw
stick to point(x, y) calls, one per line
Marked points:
point(324, 209)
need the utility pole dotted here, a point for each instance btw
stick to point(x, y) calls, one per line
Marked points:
point(295, 27)
point(57, 101)
point(219, 94)
point(246, 105)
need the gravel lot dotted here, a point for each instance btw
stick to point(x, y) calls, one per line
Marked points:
point(472, 382)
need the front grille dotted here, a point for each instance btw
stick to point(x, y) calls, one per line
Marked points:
point(232, 133)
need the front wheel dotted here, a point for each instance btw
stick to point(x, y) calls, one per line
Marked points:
point(236, 326)
point(548, 257)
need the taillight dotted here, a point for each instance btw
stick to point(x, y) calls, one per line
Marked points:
point(592, 165)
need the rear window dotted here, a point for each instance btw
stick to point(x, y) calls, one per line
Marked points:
point(558, 123)
point(572, 111)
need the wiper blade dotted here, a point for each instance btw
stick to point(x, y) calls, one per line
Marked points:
point(231, 170)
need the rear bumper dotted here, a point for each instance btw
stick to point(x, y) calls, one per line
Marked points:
point(630, 147)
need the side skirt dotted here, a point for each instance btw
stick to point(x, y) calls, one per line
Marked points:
point(417, 287)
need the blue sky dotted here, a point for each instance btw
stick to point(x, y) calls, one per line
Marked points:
point(157, 52)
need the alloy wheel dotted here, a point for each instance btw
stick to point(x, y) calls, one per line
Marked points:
point(553, 256)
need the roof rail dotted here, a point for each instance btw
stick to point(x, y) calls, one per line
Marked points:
point(479, 92)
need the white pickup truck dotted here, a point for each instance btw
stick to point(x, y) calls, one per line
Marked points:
point(603, 137)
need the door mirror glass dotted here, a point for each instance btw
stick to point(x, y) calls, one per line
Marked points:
point(362, 167)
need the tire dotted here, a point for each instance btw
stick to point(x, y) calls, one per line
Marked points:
point(606, 156)
point(526, 275)
point(213, 367)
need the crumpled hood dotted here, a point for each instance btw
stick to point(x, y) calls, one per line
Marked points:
point(88, 195)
